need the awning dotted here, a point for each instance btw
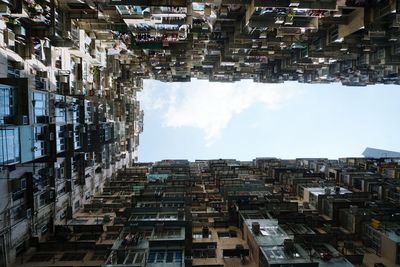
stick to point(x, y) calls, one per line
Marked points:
point(11, 55)
point(37, 64)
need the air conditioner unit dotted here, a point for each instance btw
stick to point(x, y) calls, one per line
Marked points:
point(376, 34)
point(4, 10)
point(42, 74)
point(294, 3)
point(17, 120)
point(40, 137)
point(24, 120)
point(10, 120)
point(64, 79)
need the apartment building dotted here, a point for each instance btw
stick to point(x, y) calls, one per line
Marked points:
point(222, 213)
point(63, 134)
point(71, 190)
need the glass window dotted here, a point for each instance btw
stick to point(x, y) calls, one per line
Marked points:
point(6, 102)
point(39, 102)
point(160, 256)
point(9, 143)
point(59, 104)
point(170, 256)
point(152, 257)
point(77, 140)
point(178, 256)
point(60, 140)
point(39, 144)
point(42, 199)
point(167, 256)
point(88, 112)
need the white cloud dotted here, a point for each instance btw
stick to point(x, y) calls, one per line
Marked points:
point(211, 106)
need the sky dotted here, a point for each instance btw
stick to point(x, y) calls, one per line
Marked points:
point(245, 120)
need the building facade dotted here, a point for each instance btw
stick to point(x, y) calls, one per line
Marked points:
point(71, 190)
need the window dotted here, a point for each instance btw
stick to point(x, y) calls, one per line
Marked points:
point(61, 191)
point(42, 199)
point(227, 234)
point(357, 183)
point(204, 253)
point(59, 105)
point(39, 103)
point(60, 133)
point(88, 111)
point(19, 213)
point(13, 70)
point(6, 102)
point(380, 54)
point(134, 258)
point(9, 144)
point(72, 110)
point(334, 35)
point(164, 256)
point(39, 144)
point(170, 233)
point(77, 140)
point(199, 235)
